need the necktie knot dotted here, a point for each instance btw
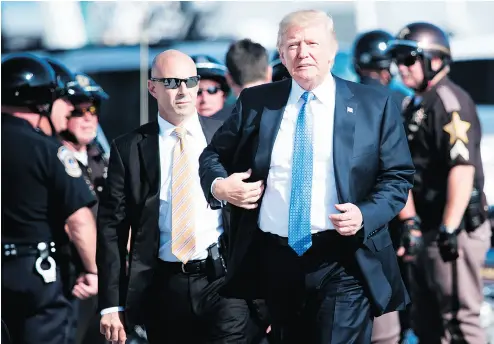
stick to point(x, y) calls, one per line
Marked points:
point(180, 132)
point(307, 96)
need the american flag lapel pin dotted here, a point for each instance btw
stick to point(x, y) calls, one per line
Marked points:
point(349, 109)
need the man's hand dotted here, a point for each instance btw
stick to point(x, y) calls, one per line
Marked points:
point(448, 245)
point(111, 326)
point(411, 241)
point(411, 244)
point(237, 192)
point(349, 222)
point(86, 286)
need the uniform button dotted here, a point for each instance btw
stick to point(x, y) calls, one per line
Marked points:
point(89, 170)
point(91, 187)
point(88, 182)
point(99, 188)
point(105, 174)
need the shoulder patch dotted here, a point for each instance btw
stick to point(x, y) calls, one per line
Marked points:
point(69, 162)
point(448, 98)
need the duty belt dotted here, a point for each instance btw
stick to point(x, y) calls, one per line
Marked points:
point(42, 250)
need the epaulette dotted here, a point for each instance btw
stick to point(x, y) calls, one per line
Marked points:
point(449, 99)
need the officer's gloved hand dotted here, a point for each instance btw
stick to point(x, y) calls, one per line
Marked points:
point(448, 244)
point(411, 241)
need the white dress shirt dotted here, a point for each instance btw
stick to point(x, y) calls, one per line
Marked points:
point(273, 217)
point(209, 223)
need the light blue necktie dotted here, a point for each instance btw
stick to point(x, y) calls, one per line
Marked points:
point(299, 237)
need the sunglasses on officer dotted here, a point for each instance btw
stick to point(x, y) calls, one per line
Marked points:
point(404, 55)
point(211, 90)
point(173, 83)
point(81, 111)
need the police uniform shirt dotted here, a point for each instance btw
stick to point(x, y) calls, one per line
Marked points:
point(41, 184)
point(443, 131)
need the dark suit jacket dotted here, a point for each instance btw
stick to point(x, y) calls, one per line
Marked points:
point(131, 200)
point(373, 169)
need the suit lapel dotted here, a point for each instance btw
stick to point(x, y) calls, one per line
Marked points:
point(150, 159)
point(345, 113)
point(206, 129)
point(268, 129)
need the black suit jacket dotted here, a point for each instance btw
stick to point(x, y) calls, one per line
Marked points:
point(131, 200)
point(373, 169)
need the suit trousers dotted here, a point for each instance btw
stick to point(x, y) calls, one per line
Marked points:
point(186, 308)
point(446, 297)
point(317, 298)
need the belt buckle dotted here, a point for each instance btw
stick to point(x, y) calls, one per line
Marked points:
point(183, 269)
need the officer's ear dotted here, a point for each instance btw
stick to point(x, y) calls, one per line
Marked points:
point(436, 63)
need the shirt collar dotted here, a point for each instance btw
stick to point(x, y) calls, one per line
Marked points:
point(324, 92)
point(192, 125)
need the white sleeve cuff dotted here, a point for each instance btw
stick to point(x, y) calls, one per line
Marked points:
point(212, 185)
point(112, 310)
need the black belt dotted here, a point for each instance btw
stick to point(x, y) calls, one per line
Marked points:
point(283, 241)
point(191, 267)
point(24, 250)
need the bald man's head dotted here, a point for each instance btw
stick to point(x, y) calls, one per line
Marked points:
point(174, 84)
point(173, 64)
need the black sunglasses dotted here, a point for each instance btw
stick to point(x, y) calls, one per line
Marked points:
point(172, 83)
point(406, 59)
point(404, 55)
point(210, 90)
point(80, 112)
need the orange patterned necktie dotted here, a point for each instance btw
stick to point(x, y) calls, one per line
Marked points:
point(183, 231)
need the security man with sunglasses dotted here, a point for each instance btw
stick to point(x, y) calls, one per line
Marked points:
point(176, 259)
point(213, 88)
point(447, 201)
point(79, 137)
point(42, 190)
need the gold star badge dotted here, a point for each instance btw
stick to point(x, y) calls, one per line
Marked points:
point(457, 129)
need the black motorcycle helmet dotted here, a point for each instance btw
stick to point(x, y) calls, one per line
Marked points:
point(424, 41)
point(279, 70)
point(28, 81)
point(370, 51)
point(90, 86)
point(210, 68)
point(67, 84)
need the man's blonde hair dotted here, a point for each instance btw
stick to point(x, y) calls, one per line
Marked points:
point(305, 18)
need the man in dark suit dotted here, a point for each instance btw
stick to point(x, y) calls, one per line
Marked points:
point(314, 168)
point(175, 266)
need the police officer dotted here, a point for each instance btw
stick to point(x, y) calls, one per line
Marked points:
point(42, 189)
point(447, 200)
point(213, 87)
point(279, 70)
point(79, 137)
point(372, 64)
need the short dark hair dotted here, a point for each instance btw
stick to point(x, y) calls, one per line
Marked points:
point(247, 62)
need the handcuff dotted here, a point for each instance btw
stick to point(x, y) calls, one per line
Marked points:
point(49, 275)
